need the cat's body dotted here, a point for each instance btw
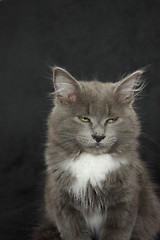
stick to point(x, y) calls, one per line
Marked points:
point(97, 187)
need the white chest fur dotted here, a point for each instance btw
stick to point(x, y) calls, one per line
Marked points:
point(91, 168)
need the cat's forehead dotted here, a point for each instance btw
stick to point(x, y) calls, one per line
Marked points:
point(96, 87)
point(96, 97)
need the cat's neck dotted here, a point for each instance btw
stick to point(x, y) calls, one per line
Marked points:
point(91, 168)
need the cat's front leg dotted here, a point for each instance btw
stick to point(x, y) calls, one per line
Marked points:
point(71, 224)
point(46, 232)
point(119, 222)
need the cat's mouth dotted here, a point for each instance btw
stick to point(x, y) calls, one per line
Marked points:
point(98, 148)
point(101, 148)
point(98, 145)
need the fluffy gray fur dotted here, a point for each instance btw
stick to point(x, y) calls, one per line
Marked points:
point(126, 198)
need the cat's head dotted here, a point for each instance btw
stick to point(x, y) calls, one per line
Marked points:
point(93, 116)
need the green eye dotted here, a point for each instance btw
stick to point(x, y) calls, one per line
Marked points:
point(112, 120)
point(84, 119)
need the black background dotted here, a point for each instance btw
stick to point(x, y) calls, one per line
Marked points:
point(89, 38)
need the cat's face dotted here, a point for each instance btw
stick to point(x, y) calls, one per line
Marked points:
point(93, 116)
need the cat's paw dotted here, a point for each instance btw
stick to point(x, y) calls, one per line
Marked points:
point(46, 233)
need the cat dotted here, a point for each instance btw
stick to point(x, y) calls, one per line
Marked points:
point(97, 187)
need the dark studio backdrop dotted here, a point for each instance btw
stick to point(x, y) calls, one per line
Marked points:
point(89, 38)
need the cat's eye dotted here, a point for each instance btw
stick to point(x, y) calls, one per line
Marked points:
point(111, 120)
point(84, 119)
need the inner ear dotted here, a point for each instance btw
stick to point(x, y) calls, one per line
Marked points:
point(66, 86)
point(129, 87)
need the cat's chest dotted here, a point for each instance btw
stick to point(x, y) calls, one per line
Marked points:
point(92, 169)
point(94, 221)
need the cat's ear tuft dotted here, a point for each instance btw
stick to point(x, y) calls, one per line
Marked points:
point(130, 86)
point(65, 85)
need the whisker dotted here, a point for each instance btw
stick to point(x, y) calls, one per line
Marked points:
point(148, 137)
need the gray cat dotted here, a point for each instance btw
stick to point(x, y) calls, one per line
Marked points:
point(97, 187)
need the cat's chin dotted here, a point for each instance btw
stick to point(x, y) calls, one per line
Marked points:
point(97, 149)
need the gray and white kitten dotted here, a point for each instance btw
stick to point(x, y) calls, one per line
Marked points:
point(97, 187)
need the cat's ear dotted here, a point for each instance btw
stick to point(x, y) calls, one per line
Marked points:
point(129, 87)
point(65, 85)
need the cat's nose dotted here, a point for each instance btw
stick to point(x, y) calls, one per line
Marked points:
point(98, 138)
